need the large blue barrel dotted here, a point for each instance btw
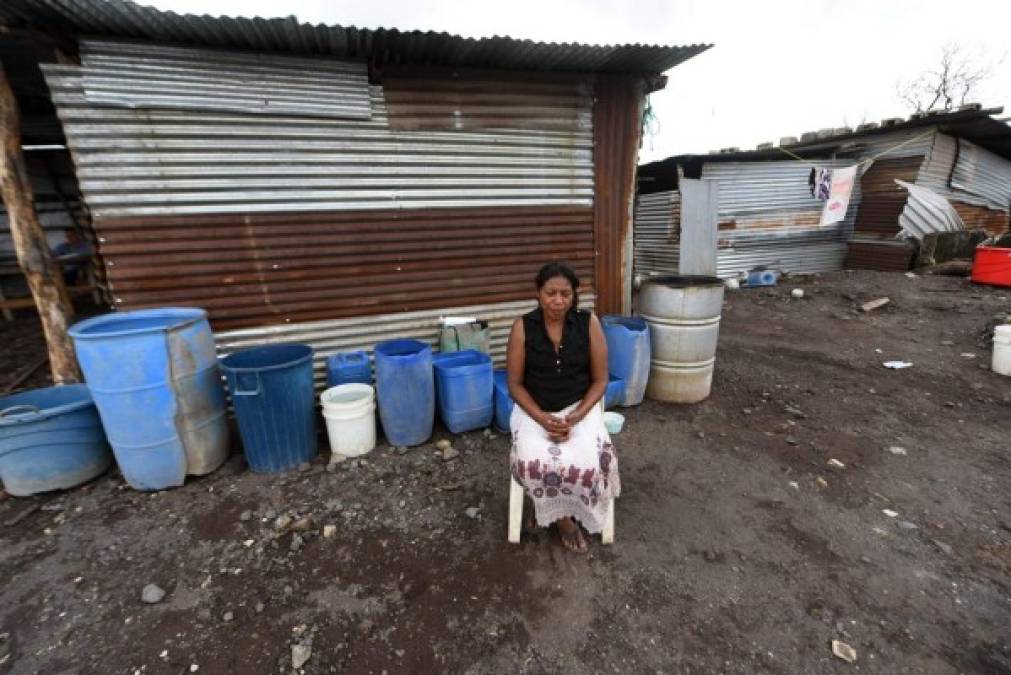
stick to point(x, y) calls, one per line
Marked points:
point(275, 405)
point(615, 392)
point(503, 401)
point(348, 368)
point(154, 376)
point(50, 439)
point(628, 350)
point(406, 391)
point(465, 389)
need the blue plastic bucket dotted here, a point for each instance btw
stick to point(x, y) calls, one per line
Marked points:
point(348, 368)
point(275, 405)
point(464, 388)
point(503, 401)
point(628, 353)
point(405, 389)
point(50, 439)
point(154, 377)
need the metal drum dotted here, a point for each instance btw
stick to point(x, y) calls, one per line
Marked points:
point(683, 313)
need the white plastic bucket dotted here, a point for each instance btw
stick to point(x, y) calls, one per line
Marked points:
point(1002, 350)
point(350, 414)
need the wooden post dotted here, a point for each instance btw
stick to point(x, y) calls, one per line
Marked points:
point(44, 277)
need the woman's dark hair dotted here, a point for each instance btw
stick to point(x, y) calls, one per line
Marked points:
point(558, 269)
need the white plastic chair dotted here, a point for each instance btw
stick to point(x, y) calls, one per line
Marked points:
point(516, 511)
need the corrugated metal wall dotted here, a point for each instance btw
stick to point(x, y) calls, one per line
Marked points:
point(983, 174)
point(144, 75)
point(158, 162)
point(277, 268)
point(617, 117)
point(874, 245)
point(767, 216)
point(656, 230)
point(330, 337)
point(273, 221)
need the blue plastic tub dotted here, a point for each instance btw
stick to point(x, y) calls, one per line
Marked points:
point(275, 405)
point(628, 353)
point(50, 439)
point(154, 377)
point(464, 387)
point(405, 389)
point(348, 368)
point(615, 392)
point(503, 401)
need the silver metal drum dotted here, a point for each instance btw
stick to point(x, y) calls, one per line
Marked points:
point(683, 313)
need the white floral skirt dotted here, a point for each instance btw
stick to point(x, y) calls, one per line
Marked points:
point(577, 477)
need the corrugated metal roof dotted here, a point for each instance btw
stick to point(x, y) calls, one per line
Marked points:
point(127, 19)
point(975, 124)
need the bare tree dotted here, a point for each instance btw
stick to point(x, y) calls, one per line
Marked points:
point(953, 82)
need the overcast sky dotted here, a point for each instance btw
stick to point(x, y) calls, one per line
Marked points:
point(778, 67)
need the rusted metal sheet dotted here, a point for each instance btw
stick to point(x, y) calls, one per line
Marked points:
point(882, 198)
point(887, 256)
point(617, 118)
point(469, 100)
point(975, 217)
point(258, 269)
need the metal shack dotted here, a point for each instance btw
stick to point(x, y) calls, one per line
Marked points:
point(768, 216)
point(339, 186)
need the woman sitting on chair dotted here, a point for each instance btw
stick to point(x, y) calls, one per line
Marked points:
point(561, 452)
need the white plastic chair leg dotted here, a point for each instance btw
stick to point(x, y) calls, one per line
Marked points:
point(607, 535)
point(515, 510)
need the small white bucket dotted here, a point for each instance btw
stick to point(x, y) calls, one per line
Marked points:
point(350, 414)
point(1002, 350)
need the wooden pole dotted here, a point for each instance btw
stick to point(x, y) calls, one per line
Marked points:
point(44, 277)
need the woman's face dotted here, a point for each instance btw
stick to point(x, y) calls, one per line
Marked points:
point(555, 297)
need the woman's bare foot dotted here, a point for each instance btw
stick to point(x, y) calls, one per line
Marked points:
point(572, 536)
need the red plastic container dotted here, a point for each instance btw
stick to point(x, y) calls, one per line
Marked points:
point(992, 265)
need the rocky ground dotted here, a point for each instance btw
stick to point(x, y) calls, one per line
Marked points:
point(816, 496)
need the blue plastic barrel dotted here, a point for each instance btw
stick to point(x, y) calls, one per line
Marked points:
point(465, 389)
point(503, 401)
point(615, 392)
point(275, 405)
point(50, 439)
point(405, 387)
point(154, 376)
point(348, 368)
point(628, 351)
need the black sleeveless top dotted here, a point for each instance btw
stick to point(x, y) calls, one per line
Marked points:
point(556, 380)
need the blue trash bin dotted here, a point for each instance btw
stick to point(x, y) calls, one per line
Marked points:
point(275, 405)
point(405, 389)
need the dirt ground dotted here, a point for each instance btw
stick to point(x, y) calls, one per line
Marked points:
point(739, 548)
